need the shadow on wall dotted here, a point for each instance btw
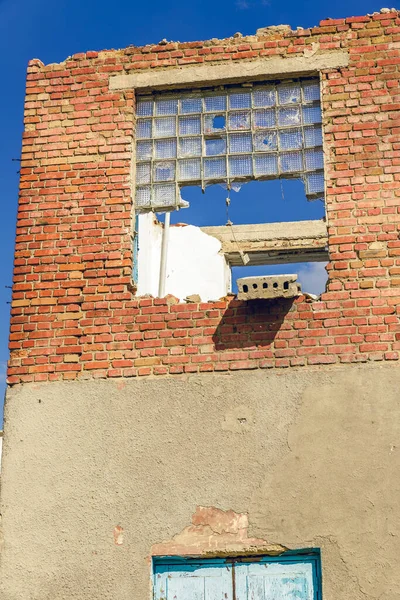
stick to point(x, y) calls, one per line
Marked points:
point(251, 323)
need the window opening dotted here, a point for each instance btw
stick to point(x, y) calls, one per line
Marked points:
point(254, 202)
point(198, 150)
point(247, 207)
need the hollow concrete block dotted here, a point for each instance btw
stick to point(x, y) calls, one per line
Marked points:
point(268, 286)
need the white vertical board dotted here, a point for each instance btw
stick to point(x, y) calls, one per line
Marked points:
point(193, 582)
point(274, 581)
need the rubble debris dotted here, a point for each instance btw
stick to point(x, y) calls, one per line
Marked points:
point(193, 298)
point(272, 29)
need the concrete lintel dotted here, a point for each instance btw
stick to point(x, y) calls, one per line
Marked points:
point(268, 243)
point(205, 74)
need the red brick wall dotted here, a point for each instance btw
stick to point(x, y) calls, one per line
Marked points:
point(74, 313)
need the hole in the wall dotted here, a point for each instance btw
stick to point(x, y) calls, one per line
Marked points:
point(286, 285)
point(218, 122)
point(275, 285)
point(256, 202)
point(265, 285)
point(255, 286)
point(245, 288)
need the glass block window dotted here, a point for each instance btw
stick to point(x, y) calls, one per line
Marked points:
point(265, 131)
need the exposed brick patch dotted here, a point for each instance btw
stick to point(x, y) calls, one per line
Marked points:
point(214, 532)
point(73, 311)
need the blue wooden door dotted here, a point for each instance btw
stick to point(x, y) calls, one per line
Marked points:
point(268, 578)
point(191, 580)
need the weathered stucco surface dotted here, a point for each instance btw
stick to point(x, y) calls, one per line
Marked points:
point(96, 473)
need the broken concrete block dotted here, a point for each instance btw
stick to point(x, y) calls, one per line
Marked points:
point(271, 29)
point(193, 298)
point(268, 286)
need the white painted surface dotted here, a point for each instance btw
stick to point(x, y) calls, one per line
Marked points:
point(195, 264)
point(272, 581)
point(194, 582)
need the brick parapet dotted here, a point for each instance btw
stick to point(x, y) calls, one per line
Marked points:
point(74, 312)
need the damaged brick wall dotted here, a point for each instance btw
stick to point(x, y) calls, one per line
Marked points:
point(74, 312)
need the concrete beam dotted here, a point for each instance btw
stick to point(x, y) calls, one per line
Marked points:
point(271, 243)
point(205, 74)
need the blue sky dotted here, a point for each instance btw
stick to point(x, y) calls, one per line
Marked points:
point(54, 29)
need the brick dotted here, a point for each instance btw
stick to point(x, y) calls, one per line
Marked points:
point(71, 358)
point(146, 362)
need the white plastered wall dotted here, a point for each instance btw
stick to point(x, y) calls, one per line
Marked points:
point(195, 263)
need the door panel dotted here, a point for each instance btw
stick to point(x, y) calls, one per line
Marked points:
point(194, 581)
point(274, 581)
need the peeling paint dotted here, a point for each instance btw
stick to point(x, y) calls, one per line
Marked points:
point(118, 535)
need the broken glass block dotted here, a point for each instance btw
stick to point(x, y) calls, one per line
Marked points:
point(190, 146)
point(164, 127)
point(215, 103)
point(143, 195)
point(290, 139)
point(189, 125)
point(164, 171)
point(311, 91)
point(214, 123)
point(264, 118)
point(289, 116)
point(289, 93)
point(143, 128)
point(144, 150)
point(291, 162)
point(312, 136)
point(164, 195)
point(166, 107)
point(240, 100)
point(239, 120)
point(240, 142)
point(191, 105)
point(315, 183)
point(215, 146)
point(312, 114)
point(165, 148)
point(143, 173)
point(189, 169)
point(264, 97)
point(214, 168)
point(266, 164)
point(265, 141)
point(144, 108)
point(240, 166)
point(314, 160)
